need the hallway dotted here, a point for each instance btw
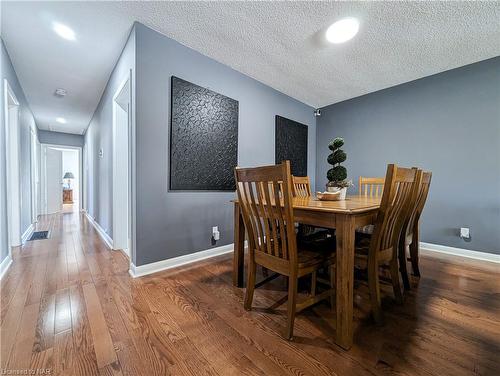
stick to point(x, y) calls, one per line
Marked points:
point(70, 306)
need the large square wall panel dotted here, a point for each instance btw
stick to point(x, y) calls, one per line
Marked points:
point(203, 138)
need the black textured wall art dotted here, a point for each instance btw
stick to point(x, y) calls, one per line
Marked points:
point(291, 144)
point(203, 138)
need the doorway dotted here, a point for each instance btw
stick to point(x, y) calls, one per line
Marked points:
point(61, 179)
point(12, 143)
point(121, 167)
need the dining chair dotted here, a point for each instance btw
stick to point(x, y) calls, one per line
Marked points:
point(268, 217)
point(301, 186)
point(372, 187)
point(409, 241)
point(381, 249)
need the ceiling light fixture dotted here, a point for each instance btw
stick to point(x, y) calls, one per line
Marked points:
point(343, 30)
point(61, 120)
point(60, 92)
point(63, 31)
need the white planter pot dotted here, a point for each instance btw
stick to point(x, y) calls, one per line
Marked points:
point(343, 191)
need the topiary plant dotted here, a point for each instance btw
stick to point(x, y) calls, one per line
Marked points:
point(337, 175)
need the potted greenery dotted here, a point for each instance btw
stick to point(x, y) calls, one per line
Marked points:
point(337, 175)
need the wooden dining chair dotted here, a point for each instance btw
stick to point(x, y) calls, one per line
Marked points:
point(301, 186)
point(373, 187)
point(381, 249)
point(409, 241)
point(268, 217)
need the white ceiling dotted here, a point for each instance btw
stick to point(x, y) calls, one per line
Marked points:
point(278, 43)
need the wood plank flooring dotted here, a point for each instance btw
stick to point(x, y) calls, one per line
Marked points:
point(69, 306)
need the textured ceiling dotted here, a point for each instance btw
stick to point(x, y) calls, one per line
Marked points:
point(278, 43)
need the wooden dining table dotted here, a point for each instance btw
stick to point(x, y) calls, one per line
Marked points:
point(344, 216)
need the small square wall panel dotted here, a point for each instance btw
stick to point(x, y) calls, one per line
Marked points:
point(291, 144)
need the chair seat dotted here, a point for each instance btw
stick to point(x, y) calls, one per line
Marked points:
point(312, 257)
point(367, 230)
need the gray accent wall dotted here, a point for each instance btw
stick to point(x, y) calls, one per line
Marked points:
point(60, 138)
point(171, 224)
point(98, 171)
point(447, 123)
point(26, 122)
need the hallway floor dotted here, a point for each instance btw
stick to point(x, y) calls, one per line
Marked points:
point(69, 306)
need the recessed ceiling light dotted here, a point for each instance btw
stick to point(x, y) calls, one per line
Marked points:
point(63, 31)
point(343, 30)
point(61, 120)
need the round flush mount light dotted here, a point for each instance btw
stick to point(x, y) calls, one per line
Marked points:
point(63, 31)
point(342, 30)
point(61, 120)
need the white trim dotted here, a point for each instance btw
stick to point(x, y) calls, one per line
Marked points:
point(5, 265)
point(14, 204)
point(33, 173)
point(154, 267)
point(105, 237)
point(476, 255)
point(121, 223)
point(27, 233)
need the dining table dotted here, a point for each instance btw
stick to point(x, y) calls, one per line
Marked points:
point(345, 217)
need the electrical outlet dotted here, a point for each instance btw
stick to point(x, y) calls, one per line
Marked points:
point(215, 233)
point(465, 233)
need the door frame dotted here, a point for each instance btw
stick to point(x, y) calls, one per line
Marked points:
point(35, 182)
point(43, 173)
point(117, 218)
point(14, 200)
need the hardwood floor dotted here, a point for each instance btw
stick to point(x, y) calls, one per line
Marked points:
point(68, 305)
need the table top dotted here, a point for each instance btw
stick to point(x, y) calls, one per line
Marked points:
point(353, 204)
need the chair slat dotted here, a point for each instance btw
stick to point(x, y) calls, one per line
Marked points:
point(372, 187)
point(301, 186)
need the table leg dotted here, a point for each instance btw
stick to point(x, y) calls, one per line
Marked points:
point(345, 280)
point(239, 247)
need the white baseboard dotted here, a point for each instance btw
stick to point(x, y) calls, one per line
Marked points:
point(4, 266)
point(105, 237)
point(142, 270)
point(476, 255)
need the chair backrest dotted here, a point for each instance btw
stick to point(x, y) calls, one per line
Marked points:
point(265, 199)
point(301, 186)
point(400, 188)
point(419, 202)
point(373, 187)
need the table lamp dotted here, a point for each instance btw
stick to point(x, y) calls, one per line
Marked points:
point(69, 176)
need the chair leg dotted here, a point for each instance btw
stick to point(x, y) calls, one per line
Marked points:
point(402, 263)
point(414, 248)
point(314, 275)
point(414, 258)
point(393, 267)
point(292, 301)
point(332, 286)
point(250, 285)
point(374, 287)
